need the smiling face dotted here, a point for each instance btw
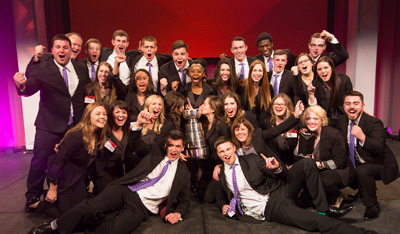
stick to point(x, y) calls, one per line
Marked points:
point(316, 47)
point(141, 81)
point(206, 108)
point(98, 118)
point(120, 44)
point(149, 49)
point(239, 49)
point(225, 72)
point(230, 107)
point(196, 73)
point(265, 47)
point(313, 122)
point(119, 116)
point(242, 133)
point(257, 73)
point(180, 57)
point(156, 107)
point(324, 71)
point(279, 107)
point(305, 65)
point(76, 45)
point(279, 62)
point(226, 152)
point(353, 106)
point(61, 51)
point(174, 149)
point(102, 74)
point(93, 52)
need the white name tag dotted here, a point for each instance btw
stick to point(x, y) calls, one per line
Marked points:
point(291, 134)
point(111, 146)
point(90, 99)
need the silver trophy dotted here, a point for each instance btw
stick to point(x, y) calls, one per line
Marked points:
point(196, 146)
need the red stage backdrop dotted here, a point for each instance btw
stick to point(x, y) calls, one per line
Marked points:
point(207, 26)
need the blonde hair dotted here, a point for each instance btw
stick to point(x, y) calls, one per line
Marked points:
point(84, 125)
point(318, 111)
point(159, 122)
point(289, 107)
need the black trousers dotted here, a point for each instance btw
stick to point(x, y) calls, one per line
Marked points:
point(281, 208)
point(332, 184)
point(43, 149)
point(116, 210)
point(367, 174)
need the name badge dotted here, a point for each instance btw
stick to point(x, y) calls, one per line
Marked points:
point(111, 146)
point(291, 134)
point(90, 99)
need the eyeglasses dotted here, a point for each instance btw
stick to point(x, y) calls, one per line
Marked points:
point(279, 105)
point(317, 45)
point(303, 61)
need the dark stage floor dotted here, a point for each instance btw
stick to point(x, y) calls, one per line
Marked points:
point(203, 218)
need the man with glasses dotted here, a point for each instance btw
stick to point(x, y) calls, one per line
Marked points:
point(317, 46)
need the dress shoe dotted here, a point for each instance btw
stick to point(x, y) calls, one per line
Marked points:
point(372, 212)
point(29, 202)
point(338, 212)
point(44, 228)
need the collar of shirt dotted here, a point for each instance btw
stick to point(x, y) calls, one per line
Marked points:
point(279, 74)
point(143, 60)
point(69, 66)
point(237, 62)
point(272, 55)
point(228, 167)
point(89, 64)
point(356, 122)
point(186, 67)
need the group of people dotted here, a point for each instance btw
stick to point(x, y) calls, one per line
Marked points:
point(110, 136)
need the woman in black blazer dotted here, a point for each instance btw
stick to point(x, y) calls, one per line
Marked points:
point(330, 89)
point(233, 110)
point(108, 165)
point(304, 82)
point(68, 168)
point(101, 89)
point(225, 79)
point(329, 154)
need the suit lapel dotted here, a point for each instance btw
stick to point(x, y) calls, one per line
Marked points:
point(59, 78)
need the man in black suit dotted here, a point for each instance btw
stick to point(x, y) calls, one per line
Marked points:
point(265, 45)
point(149, 60)
point(173, 74)
point(370, 156)
point(240, 62)
point(260, 190)
point(120, 41)
point(92, 49)
point(61, 83)
point(122, 206)
point(280, 78)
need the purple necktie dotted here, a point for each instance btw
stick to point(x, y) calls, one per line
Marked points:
point(276, 84)
point(183, 76)
point(65, 76)
point(235, 199)
point(93, 72)
point(146, 183)
point(241, 75)
point(352, 146)
point(270, 65)
point(149, 64)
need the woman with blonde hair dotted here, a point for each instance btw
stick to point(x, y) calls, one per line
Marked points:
point(68, 167)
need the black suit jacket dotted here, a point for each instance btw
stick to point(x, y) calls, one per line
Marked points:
point(161, 60)
point(249, 61)
point(261, 179)
point(168, 71)
point(338, 55)
point(55, 100)
point(178, 199)
point(286, 84)
point(106, 52)
point(290, 59)
point(374, 149)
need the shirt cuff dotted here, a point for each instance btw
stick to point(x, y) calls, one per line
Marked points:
point(134, 128)
point(279, 171)
point(334, 40)
point(312, 104)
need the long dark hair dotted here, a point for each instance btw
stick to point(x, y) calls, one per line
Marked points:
point(233, 79)
point(123, 106)
point(174, 101)
point(150, 87)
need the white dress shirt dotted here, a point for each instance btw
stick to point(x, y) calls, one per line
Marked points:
point(251, 199)
point(153, 196)
point(186, 69)
point(142, 64)
point(73, 80)
point(266, 61)
point(356, 155)
point(273, 79)
point(124, 72)
point(238, 68)
point(89, 65)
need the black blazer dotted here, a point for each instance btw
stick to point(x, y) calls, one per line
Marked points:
point(261, 179)
point(161, 60)
point(301, 93)
point(338, 55)
point(286, 84)
point(332, 147)
point(186, 91)
point(290, 59)
point(251, 117)
point(68, 166)
point(55, 100)
point(375, 149)
point(218, 128)
point(178, 199)
point(168, 71)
